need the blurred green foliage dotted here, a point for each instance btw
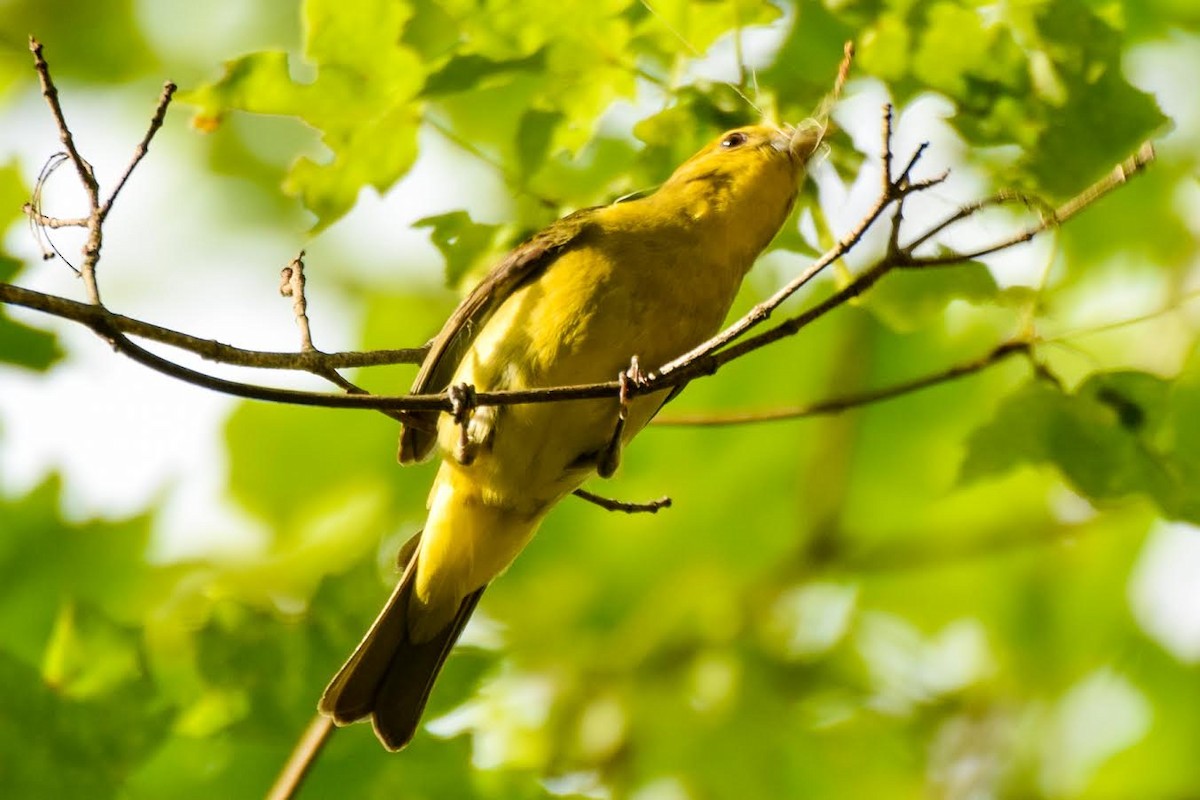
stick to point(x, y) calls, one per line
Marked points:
point(19, 344)
point(925, 597)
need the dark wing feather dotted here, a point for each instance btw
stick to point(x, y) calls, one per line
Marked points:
point(523, 264)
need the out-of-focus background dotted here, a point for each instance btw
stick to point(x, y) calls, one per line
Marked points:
point(986, 589)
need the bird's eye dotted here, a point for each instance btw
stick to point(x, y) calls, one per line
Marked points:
point(734, 139)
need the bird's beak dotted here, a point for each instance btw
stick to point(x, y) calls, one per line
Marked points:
point(801, 141)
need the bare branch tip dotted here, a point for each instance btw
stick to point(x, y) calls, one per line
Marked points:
point(929, 183)
point(843, 73)
point(609, 504)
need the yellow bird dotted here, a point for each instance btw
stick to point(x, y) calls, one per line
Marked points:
point(649, 278)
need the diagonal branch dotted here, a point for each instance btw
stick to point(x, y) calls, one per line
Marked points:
point(50, 92)
point(1120, 174)
point(1117, 176)
point(836, 405)
point(156, 122)
point(87, 175)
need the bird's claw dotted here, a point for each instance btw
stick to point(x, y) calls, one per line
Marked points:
point(610, 456)
point(462, 408)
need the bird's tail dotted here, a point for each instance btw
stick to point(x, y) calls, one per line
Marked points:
point(388, 676)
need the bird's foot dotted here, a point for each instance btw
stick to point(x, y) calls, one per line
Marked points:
point(462, 407)
point(610, 457)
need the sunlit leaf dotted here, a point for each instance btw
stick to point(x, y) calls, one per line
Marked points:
point(468, 71)
point(1104, 118)
point(72, 747)
point(906, 299)
point(461, 241)
point(362, 100)
point(1105, 438)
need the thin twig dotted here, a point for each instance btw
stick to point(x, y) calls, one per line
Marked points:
point(292, 285)
point(287, 785)
point(608, 504)
point(1119, 175)
point(886, 155)
point(87, 176)
point(1125, 171)
point(905, 177)
point(50, 93)
point(1105, 327)
point(42, 220)
point(156, 121)
point(843, 73)
point(1003, 197)
point(836, 405)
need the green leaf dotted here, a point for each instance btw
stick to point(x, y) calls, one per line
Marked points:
point(363, 100)
point(886, 48)
point(89, 654)
point(908, 299)
point(693, 27)
point(1103, 118)
point(1106, 438)
point(954, 44)
point(534, 134)
point(45, 562)
point(461, 241)
point(433, 30)
point(377, 154)
point(58, 747)
point(27, 347)
point(469, 71)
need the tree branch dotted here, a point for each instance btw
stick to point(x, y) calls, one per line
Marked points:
point(1122, 173)
point(703, 360)
point(290, 779)
point(836, 405)
point(98, 317)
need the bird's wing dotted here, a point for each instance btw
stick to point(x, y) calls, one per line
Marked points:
point(522, 265)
